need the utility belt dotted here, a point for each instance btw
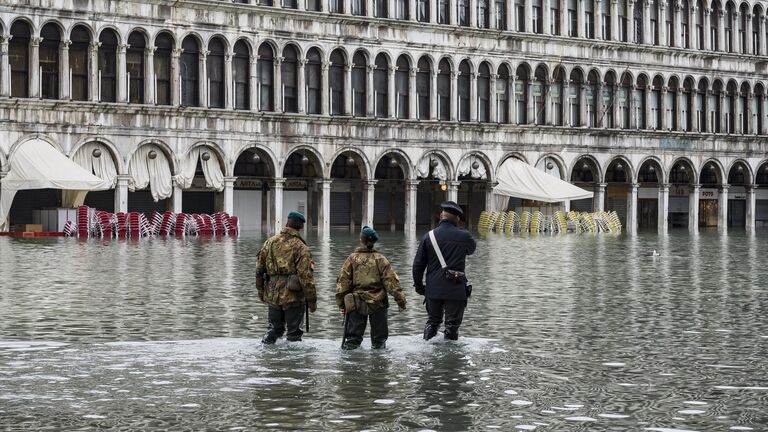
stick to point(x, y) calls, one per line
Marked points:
point(292, 282)
point(353, 303)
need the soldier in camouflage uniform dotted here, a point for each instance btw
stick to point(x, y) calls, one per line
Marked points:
point(285, 281)
point(368, 276)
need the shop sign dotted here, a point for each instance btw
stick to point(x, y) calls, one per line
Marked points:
point(247, 183)
point(708, 194)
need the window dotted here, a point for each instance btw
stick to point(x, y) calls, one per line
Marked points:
point(484, 93)
point(18, 57)
point(623, 21)
point(700, 30)
point(380, 8)
point(337, 6)
point(464, 83)
point(49, 61)
point(653, 38)
point(266, 70)
point(538, 90)
point(501, 14)
point(554, 18)
point(590, 98)
point(313, 78)
point(756, 34)
point(589, 19)
point(444, 90)
point(483, 20)
point(670, 107)
point(108, 66)
point(638, 37)
point(729, 30)
point(502, 95)
point(521, 94)
point(607, 103)
point(164, 45)
point(358, 7)
point(289, 79)
point(423, 11)
point(423, 89)
point(290, 4)
point(462, 12)
point(713, 20)
point(537, 19)
point(574, 102)
point(401, 9)
point(241, 73)
point(402, 87)
point(638, 103)
point(190, 94)
point(520, 15)
point(442, 11)
point(381, 86)
point(336, 82)
point(556, 99)
point(134, 60)
point(656, 114)
point(359, 81)
point(215, 69)
point(605, 19)
point(314, 5)
point(572, 19)
point(78, 63)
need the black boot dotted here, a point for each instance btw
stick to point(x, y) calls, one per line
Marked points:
point(430, 331)
point(451, 333)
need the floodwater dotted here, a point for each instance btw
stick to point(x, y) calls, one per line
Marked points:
point(568, 333)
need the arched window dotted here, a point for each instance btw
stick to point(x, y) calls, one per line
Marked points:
point(656, 114)
point(757, 110)
point(638, 102)
point(49, 61)
point(608, 100)
point(134, 62)
point(537, 17)
point(423, 89)
point(556, 97)
point(380, 8)
point(745, 108)
point(685, 30)
point(589, 19)
point(591, 94)
point(108, 66)
point(464, 84)
point(714, 103)
point(289, 79)
point(729, 30)
point(266, 71)
point(483, 18)
point(688, 110)
point(574, 97)
point(502, 95)
point(539, 92)
point(79, 61)
point(241, 74)
point(462, 12)
point(700, 106)
point(215, 68)
point(522, 78)
point(164, 46)
point(402, 87)
point(336, 81)
point(444, 90)
point(755, 36)
point(729, 107)
point(359, 87)
point(484, 93)
point(501, 14)
point(190, 72)
point(313, 78)
point(701, 32)
point(671, 105)
point(18, 57)
point(743, 17)
point(423, 10)
point(624, 101)
point(401, 9)
point(381, 86)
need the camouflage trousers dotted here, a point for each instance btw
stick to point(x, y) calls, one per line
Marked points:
point(356, 324)
point(279, 319)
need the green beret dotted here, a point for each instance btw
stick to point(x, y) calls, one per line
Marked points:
point(370, 232)
point(297, 216)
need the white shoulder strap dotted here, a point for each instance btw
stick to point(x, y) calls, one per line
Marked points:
point(437, 248)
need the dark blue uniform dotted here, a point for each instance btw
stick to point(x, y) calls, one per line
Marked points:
point(443, 297)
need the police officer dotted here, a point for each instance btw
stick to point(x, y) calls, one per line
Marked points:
point(285, 281)
point(446, 289)
point(361, 292)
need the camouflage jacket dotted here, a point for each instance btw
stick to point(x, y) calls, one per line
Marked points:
point(283, 255)
point(368, 274)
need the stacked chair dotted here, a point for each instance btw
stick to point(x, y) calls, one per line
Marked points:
point(558, 223)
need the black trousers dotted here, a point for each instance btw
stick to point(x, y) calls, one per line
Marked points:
point(355, 328)
point(452, 310)
point(279, 319)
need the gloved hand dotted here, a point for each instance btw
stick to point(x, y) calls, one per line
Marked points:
point(312, 305)
point(261, 297)
point(420, 289)
point(401, 303)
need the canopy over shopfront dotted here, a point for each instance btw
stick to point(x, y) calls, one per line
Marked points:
point(38, 165)
point(520, 180)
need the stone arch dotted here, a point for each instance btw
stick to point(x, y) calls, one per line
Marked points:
point(171, 35)
point(360, 158)
point(272, 164)
point(508, 155)
point(749, 174)
point(169, 153)
point(341, 49)
point(120, 163)
point(112, 28)
point(26, 138)
point(196, 36)
point(443, 156)
point(405, 161)
point(217, 150)
point(316, 159)
point(561, 166)
point(597, 171)
point(693, 173)
point(720, 172)
point(222, 38)
point(33, 29)
point(658, 165)
point(59, 25)
point(484, 159)
point(85, 25)
point(630, 170)
point(143, 32)
point(246, 41)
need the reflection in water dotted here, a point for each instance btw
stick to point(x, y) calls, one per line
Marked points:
point(572, 333)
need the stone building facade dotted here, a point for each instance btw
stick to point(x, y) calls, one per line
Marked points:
point(372, 111)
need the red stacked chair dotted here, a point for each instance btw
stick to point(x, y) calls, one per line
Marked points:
point(155, 222)
point(134, 224)
point(145, 229)
point(104, 220)
point(234, 226)
point(181, 222)
point(166, 225)
point(203, 225)
point(83, 222)
point(221, 223)
point(70, 228)
point(122, 225)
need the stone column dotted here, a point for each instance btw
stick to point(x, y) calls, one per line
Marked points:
point(721, 30)
point(764, 104)
point(433, 100)
point(489, 197)
point(122, 78)
point(229, 195)
point(454, 95)
point(453, 191)
point(202, 68)
point(229, 83)
point(370, 199)
point(493, 116)
point(121, 193)
point(632, 209)
point(492, 13)
point(277, 101)
point(677, 30)
point(647, 36)
point(693, 209)
point(347, 108)
point(473, 13)
point(5, 67)
point(452, 15)
point(663, 109)
point(325, 101)
point(370, 99)
point(253, 84)
point(530, 107)
point(693, 31)
point(630, 22)
point(761, 37)
point(722, 209)
point(663, 208)
point(528, 16)
point(661, 24)
point(565, 97)
point(678, 114)
point(94, 84)
point(513, 100)
point(750, 223)
point(149, 76)
point(748, 31)
point(324, 227)
point(433, 12)
point(391, 92)
point(411, 188)
point(580, 33)
point(34, 67)
point(301, 91)
point(278, 202)
point(64, 88)
point(176, 198)
point(600, 114)
point(412, 96)
point(473, 97)
point(738, 116)
point(615, 36)
point(583, 104)
point(617, 120)
point(600, 197)
point(735, 40)
point(176, 77)
point(412, 10)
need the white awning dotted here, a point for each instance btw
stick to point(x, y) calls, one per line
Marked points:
point(38, 165)
point(520, 180)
